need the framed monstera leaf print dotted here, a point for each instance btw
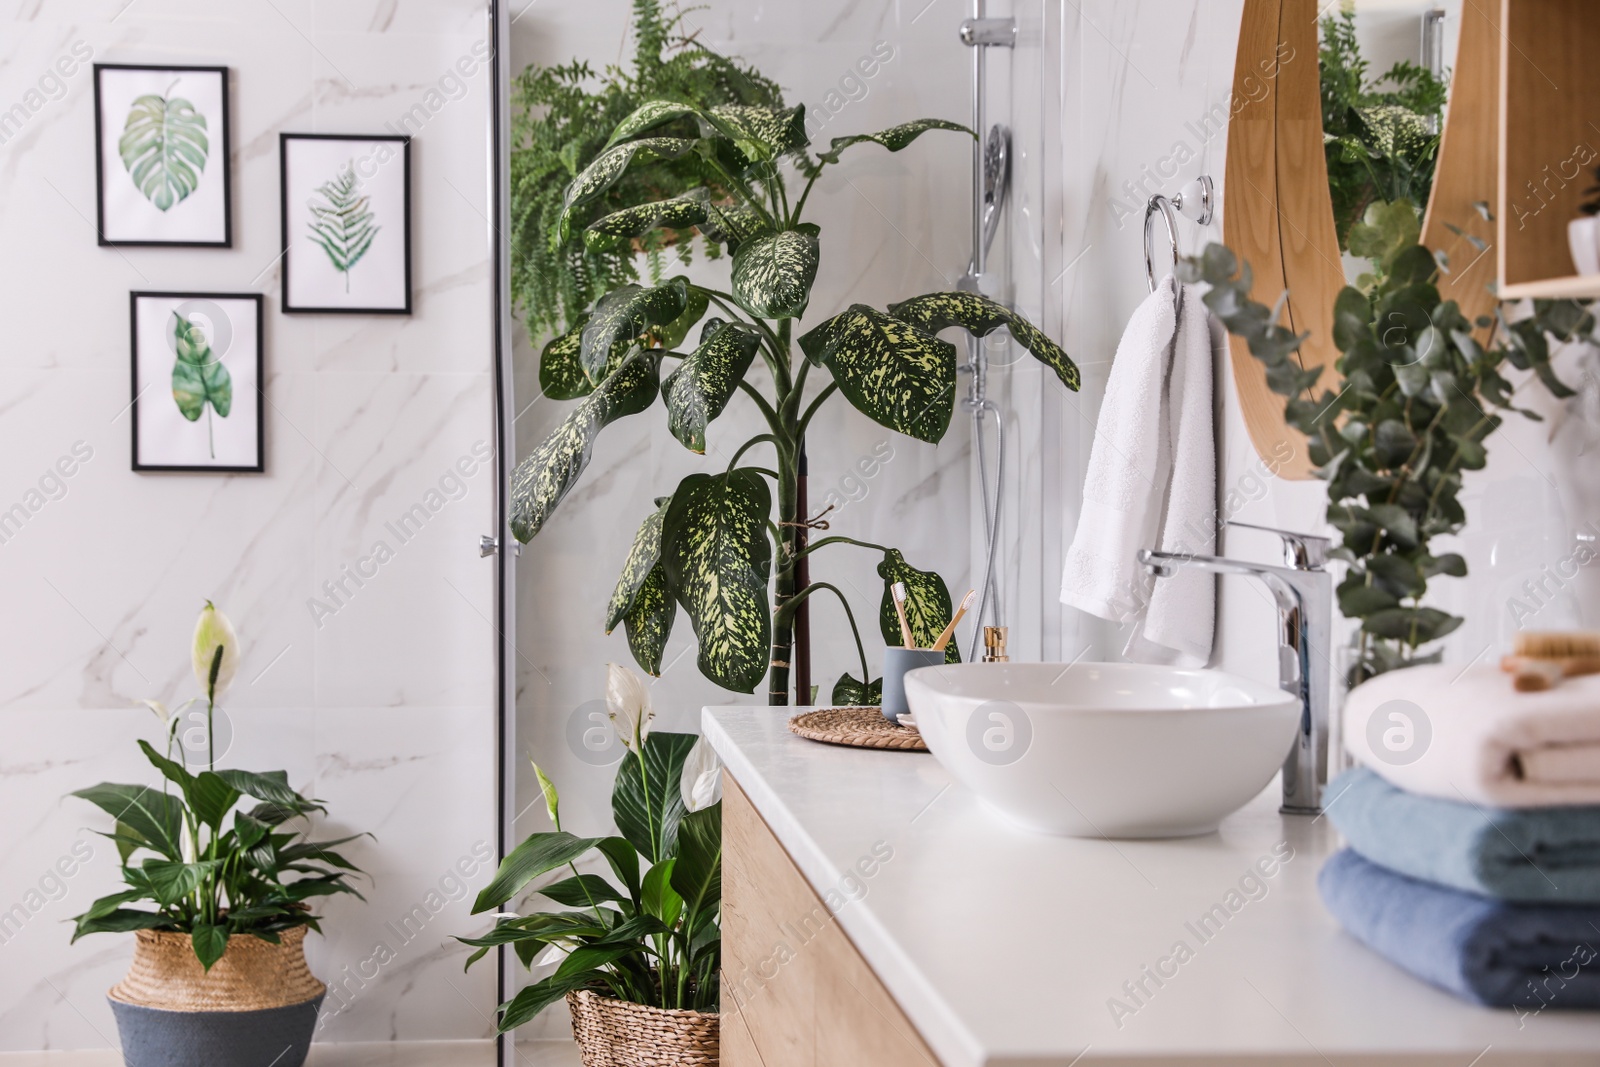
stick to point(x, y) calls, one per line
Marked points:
point(162, 152)
point(346, 223)
point(197, 382)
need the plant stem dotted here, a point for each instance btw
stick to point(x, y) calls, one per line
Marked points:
point(838, 539)
point(800, 597)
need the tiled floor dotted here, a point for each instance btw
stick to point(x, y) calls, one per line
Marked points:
point(404, 1054)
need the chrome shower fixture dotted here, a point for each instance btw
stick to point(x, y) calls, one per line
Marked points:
point(996, 181)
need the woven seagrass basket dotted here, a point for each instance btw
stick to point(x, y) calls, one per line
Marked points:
point(620, 1033)
point(251, 975)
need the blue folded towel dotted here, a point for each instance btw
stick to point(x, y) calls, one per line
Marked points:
point(1503, 955)
point(1527, 854)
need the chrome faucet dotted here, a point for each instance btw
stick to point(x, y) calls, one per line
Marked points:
point(1304, 594)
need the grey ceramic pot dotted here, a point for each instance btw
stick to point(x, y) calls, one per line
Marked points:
point(271, 1037)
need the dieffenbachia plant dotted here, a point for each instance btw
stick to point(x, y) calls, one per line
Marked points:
point(724, 545)
point(1412, 414)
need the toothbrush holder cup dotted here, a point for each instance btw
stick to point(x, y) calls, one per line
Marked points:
point(896, 662)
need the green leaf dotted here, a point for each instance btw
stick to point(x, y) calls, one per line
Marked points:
point(761, 133)
point(642, 559)
point(155, 816)
point(648, 806)
point(172, 880)
point(1414, 626)
point(647, 116)
point(272, 787)
point(209, 942)
point(1393, 443)
point(602, 173)
point(1352, 318)
point(561, 375)
point(701, 386)
point(849, 691)
point(553, 468)
point(894, 138)
point(772, 273)
point(718, 563)
point(1451, 564)
point(212, 798)
point(342, 224)
point(533, 999)
point(1396, 522)
point(980, 316)
point(649, 620)
point(1360, 600)
point(890, 371)
point(657, 897)
point(697, 874)
point(623, 315)
point(624, 860)
point(121, 921)
point(678, 213)
point(198, 379)
point(539, 854)
point(164, 147)
point(583, 891)
point(928, 608)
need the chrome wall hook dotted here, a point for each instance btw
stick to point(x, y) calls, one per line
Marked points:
point(1195, 201)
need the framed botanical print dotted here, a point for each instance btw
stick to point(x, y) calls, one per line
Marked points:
point(346, 214)
point(197, 381)
point(162, 156)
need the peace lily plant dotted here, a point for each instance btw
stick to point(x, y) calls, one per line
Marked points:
point(728, 546)
point(652, 935)
point(200, 875)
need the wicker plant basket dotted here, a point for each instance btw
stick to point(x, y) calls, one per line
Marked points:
point(251, 975)
point(620, 1033)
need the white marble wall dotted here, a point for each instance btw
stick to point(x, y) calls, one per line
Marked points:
point(385, 709)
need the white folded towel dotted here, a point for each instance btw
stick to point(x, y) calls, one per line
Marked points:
point(1481, 741)
point(1152, 483)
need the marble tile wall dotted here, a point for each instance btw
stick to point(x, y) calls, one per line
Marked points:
point(384, 708)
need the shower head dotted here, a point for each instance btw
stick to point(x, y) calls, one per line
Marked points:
point(996, 180)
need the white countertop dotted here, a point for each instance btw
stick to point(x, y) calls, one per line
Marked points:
point(1006, 948)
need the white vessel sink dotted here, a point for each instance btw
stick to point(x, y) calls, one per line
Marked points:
point(1104, 749)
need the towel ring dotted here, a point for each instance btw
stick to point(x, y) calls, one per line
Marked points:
point(1194, 201)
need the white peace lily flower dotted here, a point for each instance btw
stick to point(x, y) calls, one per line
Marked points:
point(211, 630)
point(553, 953)
point(628, 704)
point(158, 708)
point(552, 799)
point(702, 777)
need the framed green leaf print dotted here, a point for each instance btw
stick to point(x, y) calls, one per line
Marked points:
point(346, 206)
point(197, 382)
point(162, 156)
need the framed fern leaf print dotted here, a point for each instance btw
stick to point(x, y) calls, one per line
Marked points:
point(162, 155)
point(346, 223)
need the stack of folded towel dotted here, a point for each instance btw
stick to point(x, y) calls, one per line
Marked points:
point(1476, 864)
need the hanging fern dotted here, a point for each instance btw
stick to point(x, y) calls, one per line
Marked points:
point(342, 225)
point(562, 116)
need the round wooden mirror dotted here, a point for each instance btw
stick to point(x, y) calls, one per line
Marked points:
point(1279, 213)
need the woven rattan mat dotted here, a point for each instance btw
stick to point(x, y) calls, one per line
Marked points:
point(857, 727)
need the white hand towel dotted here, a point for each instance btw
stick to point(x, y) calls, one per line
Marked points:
point(1151, 483)
point(1469, 736)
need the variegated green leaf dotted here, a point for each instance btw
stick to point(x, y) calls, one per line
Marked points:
point(894, 138)
point(604, 170)
point(679, 213)
point(553, 468)
point(761, 133)
point(623, 315)
point(647, 116)
point(732, 224)
point(979, 316)
point(562, 377)
point(927, 605)
point(700, 388)
point(849, 691)
point(892, 372)
point(718, 562)
point(648, 623)
point(772, 274)
point(671, 334)
point(642, 558)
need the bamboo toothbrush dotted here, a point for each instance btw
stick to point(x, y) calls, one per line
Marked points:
point(950, 631)
point(897, 592)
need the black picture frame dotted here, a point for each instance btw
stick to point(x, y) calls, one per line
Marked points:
point(100, 161)
point(287, 250)
point(257, 300)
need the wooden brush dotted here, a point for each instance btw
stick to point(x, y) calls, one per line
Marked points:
point(897, 592)
point(1540, 659)
point(950, 631)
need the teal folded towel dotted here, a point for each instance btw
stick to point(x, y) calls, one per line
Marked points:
point(1526, 956)
point(1526, 854)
